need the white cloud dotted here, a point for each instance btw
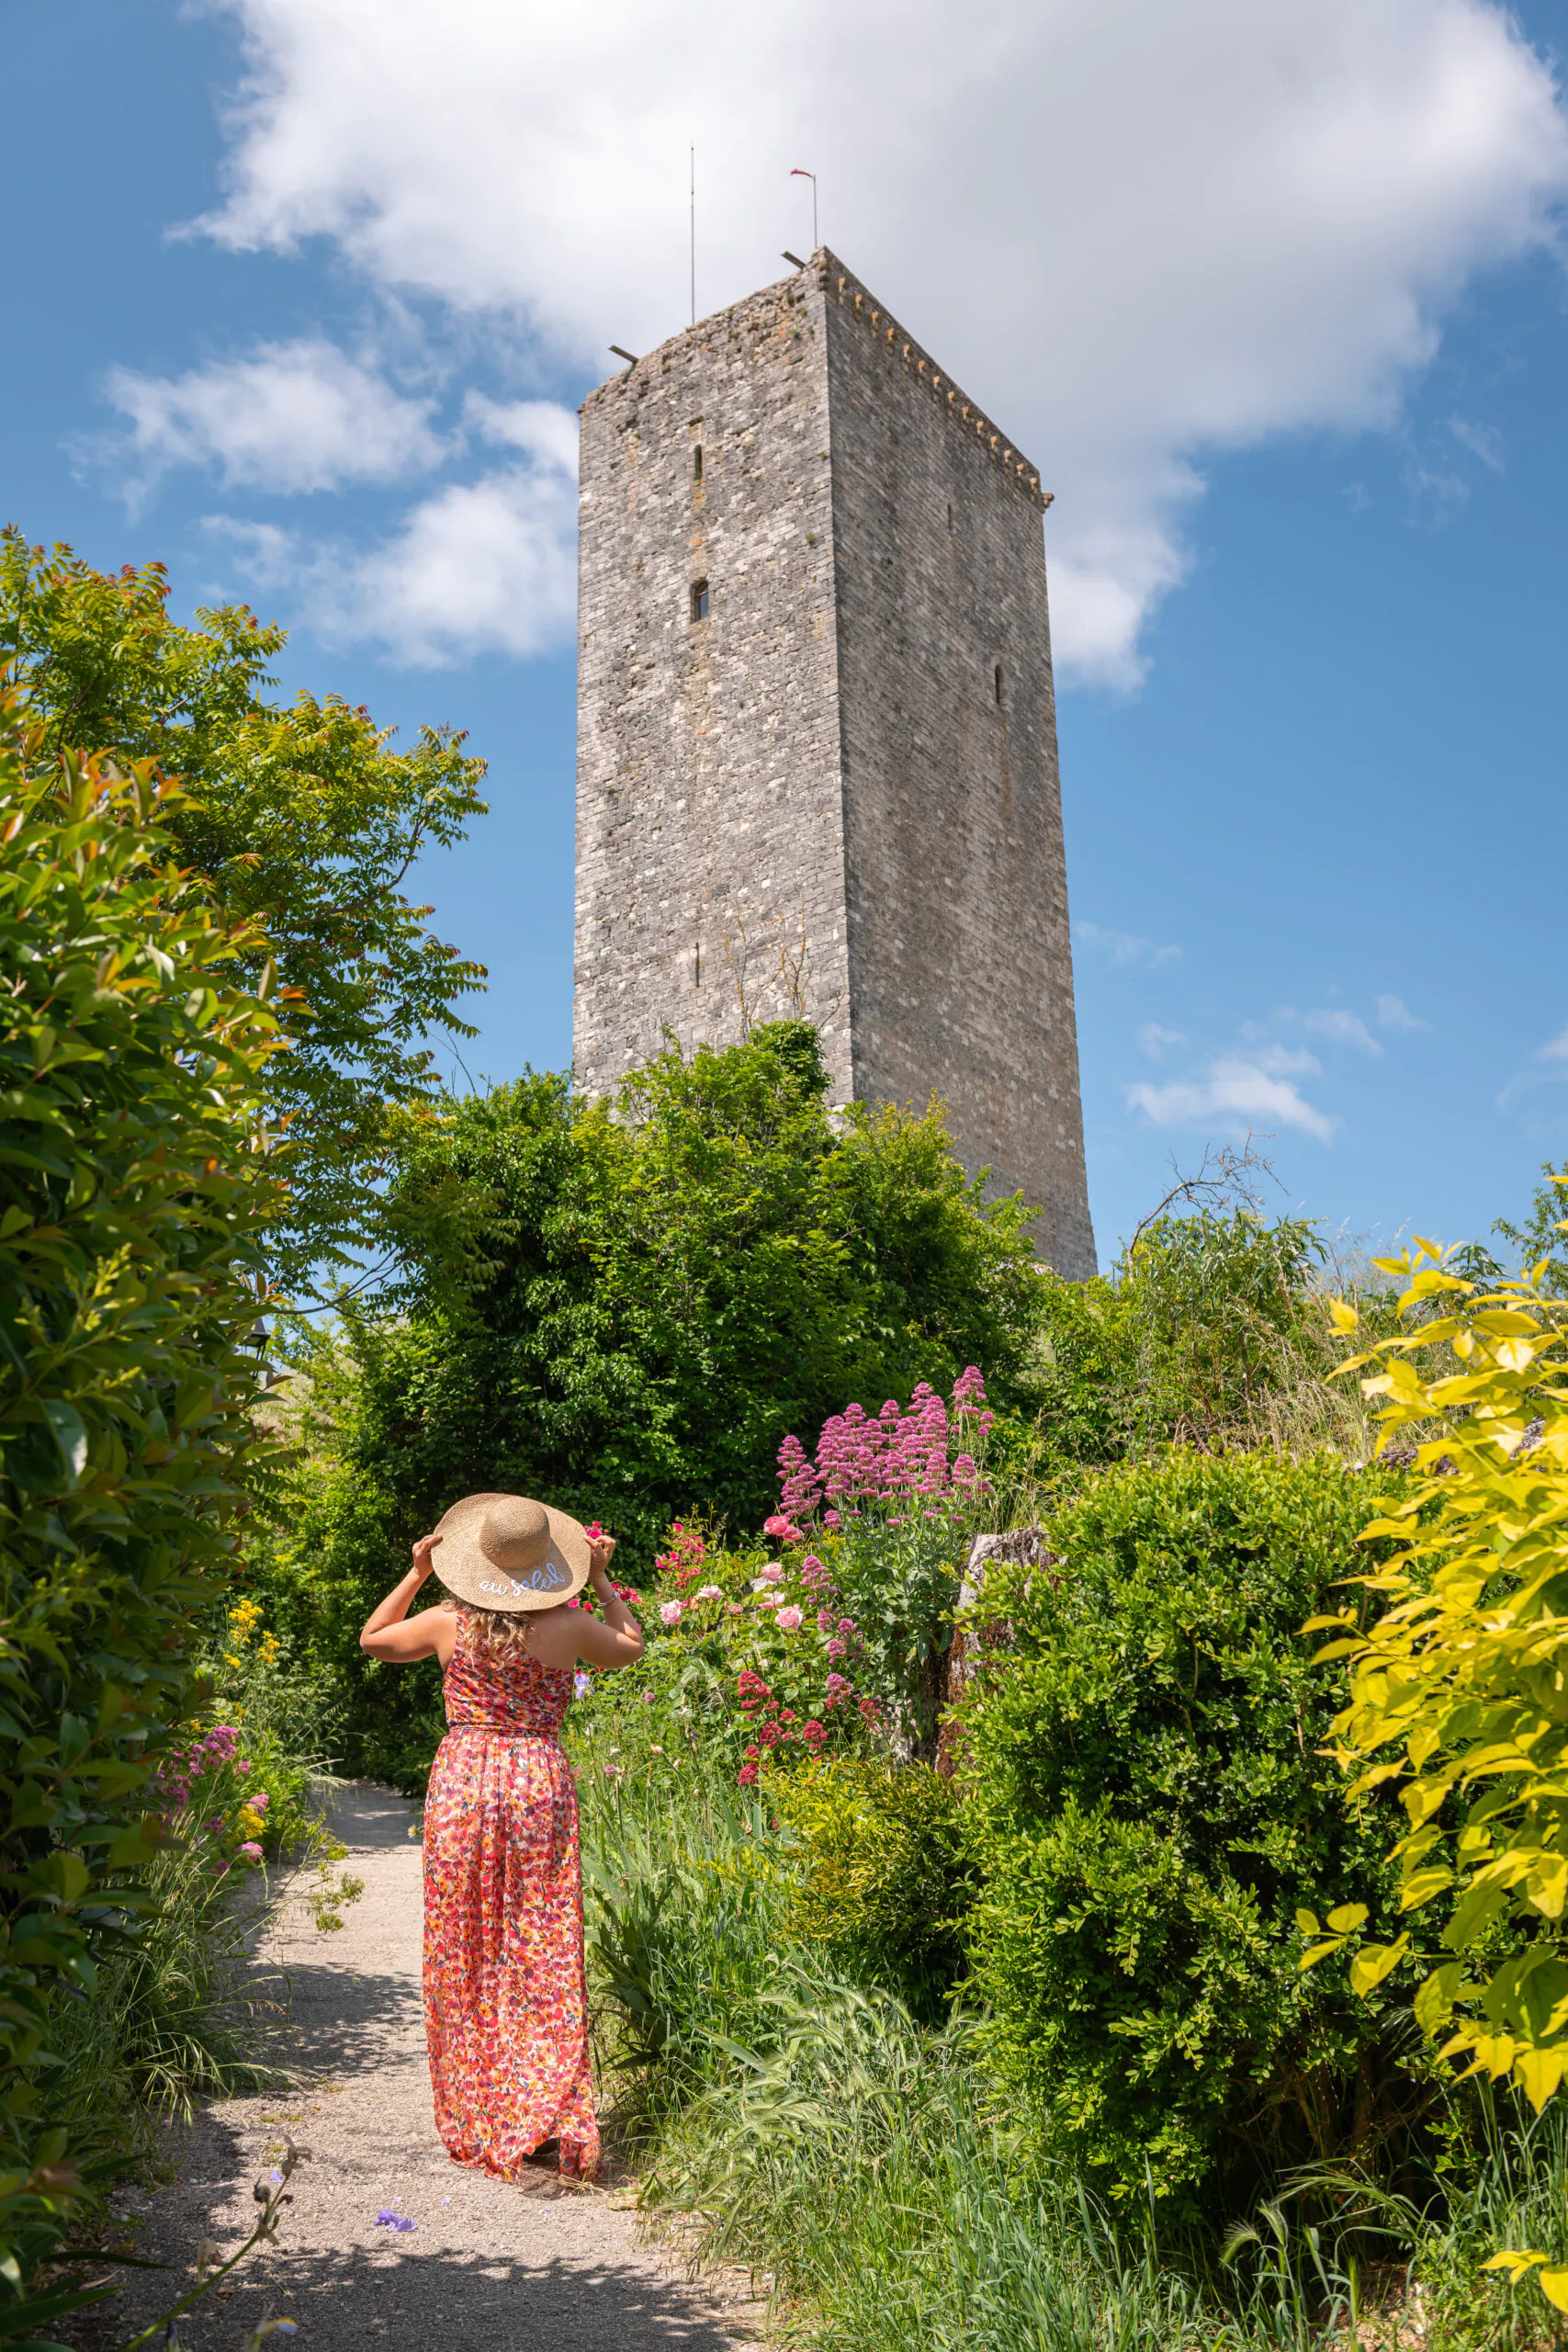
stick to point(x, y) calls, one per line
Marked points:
point(291, 417)
point(1138, 234)
point(1238, 1092)
point(544, 429)
point(1341, 1028)
point(1156, 1042)
point(1557, 1051)
point(1122, 946)
point(479, 566)
point(1393, 1013)
point(1483, 441)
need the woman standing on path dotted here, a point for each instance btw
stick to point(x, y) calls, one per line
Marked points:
point(505, 2000)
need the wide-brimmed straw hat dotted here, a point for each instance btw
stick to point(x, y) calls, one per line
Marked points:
point(508, 1552)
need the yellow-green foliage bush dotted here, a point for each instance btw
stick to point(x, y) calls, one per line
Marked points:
point(1459, 1691)
point(885, 1876)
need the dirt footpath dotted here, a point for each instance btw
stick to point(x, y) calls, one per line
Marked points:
point(489, 2267)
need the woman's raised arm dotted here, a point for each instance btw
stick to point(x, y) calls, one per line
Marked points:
point(564, 1635)
point(389, 1632)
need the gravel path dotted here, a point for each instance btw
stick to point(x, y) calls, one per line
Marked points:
point(489, 2266)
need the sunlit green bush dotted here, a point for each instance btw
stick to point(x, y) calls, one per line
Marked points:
point(1150, 1805)
point(885, 1876)
point(134, 1192)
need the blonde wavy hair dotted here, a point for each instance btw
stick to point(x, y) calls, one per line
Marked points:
point(503, 1631)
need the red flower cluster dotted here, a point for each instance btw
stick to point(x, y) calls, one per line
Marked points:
point(683, 1560)
point(776, 1728)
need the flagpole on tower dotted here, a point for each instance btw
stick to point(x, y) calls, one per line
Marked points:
point(694, 236)
point(798, 174)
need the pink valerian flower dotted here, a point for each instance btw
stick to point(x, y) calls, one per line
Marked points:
point(800, 1481)
point(789, 1620)
point(747, 1776)
point(814, 1732)
point(847, 1626)
point(825, 1620)
point(867, 1461)
point(251, 1851)
point(260, 1802)
point(671, 1613)
point(871, 1711)
point(770, 1735)
point(839, 1689)
point(751, 1754)
point(835, 1648)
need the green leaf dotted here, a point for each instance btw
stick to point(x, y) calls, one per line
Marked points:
point(70, 1435)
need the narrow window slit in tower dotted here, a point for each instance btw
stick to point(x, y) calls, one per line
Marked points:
point(697, 462)
point(699, 600)
point(999, 685)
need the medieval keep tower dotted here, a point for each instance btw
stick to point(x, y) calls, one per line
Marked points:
point(816, 732)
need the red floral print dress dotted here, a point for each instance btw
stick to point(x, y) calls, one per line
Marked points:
point(505, 2005)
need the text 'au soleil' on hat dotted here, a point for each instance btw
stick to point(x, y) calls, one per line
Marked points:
point(508, 1552)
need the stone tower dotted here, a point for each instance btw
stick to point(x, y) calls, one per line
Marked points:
point(817, 732)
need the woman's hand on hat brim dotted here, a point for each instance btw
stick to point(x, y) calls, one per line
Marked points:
point(424, 1564)
point(600, 1552)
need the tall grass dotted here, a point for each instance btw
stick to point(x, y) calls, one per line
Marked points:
point(862, 2165)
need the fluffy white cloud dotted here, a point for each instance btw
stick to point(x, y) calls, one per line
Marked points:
point(1395, 1013)
point(1137, 233)
point(478, 567)
point(292, 416)
point(1238, 1092)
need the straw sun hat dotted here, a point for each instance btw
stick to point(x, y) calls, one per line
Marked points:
point(506, 1551)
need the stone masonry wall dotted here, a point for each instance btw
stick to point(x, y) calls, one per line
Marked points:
point(710, 823)
point(812, 800)
point(960, 978)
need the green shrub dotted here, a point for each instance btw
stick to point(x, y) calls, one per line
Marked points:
point(885, 1875)
point(134, 1192)
point(1149, 1808)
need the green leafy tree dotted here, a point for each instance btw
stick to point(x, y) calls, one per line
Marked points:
point(134, 1191)
point(627, 1310)
point(1539, 1240)
point(301, 817)
point(1210, 1330)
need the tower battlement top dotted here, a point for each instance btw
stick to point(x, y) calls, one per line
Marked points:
point(759, 314)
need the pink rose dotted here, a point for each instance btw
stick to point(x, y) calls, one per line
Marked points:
point(671, 1613)
point(772, 1573)
point(789, 1619)
point(710, 1592)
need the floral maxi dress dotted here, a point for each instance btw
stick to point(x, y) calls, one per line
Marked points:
point(506, 2004)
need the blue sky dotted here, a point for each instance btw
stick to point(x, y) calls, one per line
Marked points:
point(1298, 375)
